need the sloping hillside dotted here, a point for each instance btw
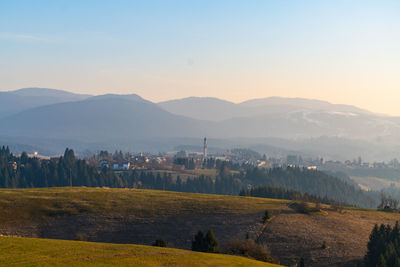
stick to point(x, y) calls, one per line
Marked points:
point(346, 233)
point(141, 216)
point(128, 215)
point(67, 253)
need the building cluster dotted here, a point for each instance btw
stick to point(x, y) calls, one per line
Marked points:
point(131, 161)
point(180, 160)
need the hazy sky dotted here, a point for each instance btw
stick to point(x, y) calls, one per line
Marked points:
point(341, 51)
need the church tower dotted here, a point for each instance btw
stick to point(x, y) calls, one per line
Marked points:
point(205, 149)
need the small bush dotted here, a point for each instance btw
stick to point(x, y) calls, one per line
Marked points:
point(266, 217)
point(81, 237)
point(247, 235)
point(160, 243)
point(304, 207)
point(248, 248)
point(337, 207)
point(324, 246)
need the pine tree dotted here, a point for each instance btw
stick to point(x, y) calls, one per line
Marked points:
point(383, 247)
point(372, 257)
point(211, 242)
point(198, 242)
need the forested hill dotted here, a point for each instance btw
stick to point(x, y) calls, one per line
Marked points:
point(312, 182)
point(67, 170)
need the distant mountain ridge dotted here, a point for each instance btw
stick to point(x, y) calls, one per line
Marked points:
point(47, 92)
point(100, 118)
point(121, 121)
point(12, 102)
point(208, 108)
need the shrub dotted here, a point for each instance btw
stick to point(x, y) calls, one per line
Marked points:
point(81, 237)
point(304, 207)
point(318, 205)
point(265, 217)
point(247, 235)
point(248, 248)
point(205, 243)
point(337, 207)
point(160, 243)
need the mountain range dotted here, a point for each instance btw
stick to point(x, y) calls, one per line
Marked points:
point(12, 102)
point(313, 127)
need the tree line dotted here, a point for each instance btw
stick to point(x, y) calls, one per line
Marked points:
point(313, 182)
point(383, 246)
point(23, 171)
point(67, 170)
point(281, 193)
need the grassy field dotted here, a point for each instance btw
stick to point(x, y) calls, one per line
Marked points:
point(140, 216)
point(345, 233)
point(19, 205)
point(129, 216)
point(39, 252)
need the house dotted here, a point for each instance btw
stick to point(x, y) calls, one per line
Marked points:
point(13, 165)
point(104, 163)
point(125, 165)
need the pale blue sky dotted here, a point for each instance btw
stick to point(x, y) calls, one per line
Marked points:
point(340, 51)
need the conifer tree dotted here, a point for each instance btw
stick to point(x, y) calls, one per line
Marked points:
point(198, 242)
point(211, 242)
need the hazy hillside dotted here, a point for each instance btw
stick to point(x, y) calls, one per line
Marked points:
point(311, 124)
point(101, 118)
point(204, 108)
point(292, 104)
point(208, 108)
point(309, 127)
point(131, 117)
point(286, 118)
point(47, 92)
point(12, 102)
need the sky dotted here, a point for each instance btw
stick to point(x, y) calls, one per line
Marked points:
point(342, 51)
